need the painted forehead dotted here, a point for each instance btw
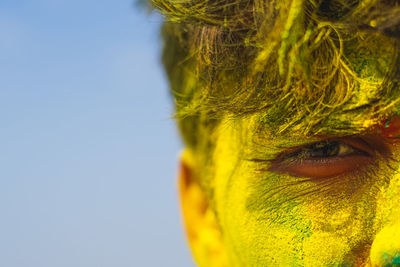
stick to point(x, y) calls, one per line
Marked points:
point(341, 87)
point(296, 59)
point(364, 90)
point(374, 114)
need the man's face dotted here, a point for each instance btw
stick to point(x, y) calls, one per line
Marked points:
point(310, 178)
point(290, 200)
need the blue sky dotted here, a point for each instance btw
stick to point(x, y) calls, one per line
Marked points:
point(89, 152)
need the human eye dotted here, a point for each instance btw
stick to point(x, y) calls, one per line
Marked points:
point(325, 158)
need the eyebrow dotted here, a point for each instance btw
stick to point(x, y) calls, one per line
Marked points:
point(294, 135)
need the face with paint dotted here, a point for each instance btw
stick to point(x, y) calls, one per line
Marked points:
point(295, 200)
point(291, 122)
point(279, 202)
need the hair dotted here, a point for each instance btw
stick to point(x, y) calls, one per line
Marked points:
point(301, 60)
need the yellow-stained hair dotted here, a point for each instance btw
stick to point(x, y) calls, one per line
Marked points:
point(298, 61)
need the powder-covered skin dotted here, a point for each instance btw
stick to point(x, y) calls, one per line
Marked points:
point(268, 219)
point(253, 80)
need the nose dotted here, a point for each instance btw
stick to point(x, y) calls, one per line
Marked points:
point(385, 250)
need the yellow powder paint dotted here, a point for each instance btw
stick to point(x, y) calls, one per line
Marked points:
point(386, 245)
point(328, 228)
point(335, 77)
point(250, 239)
point(323, 249)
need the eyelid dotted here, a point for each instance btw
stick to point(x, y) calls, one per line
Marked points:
point(355, 143)
point(360, 144)
point(318, 168)
point(306, 152)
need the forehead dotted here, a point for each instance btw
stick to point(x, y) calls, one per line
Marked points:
point(341, 89)
point(350, 107)
point(276, 128)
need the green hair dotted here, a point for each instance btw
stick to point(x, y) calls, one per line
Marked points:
point(302, 60)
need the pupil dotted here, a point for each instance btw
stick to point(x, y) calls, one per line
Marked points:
point(323, 149)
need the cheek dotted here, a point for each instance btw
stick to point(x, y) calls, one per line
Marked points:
point(349, 216)
point(259, 237)
point(257, 230)
point(267, 221)
point(249, 239)
point(343, 227)
point(388, 200)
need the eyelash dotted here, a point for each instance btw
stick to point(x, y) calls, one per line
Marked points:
point(323, 159)
point(306, 152)
point(288, 187)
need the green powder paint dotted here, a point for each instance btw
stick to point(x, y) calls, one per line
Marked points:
point(396, 260)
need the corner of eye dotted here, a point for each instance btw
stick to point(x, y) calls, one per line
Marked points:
point(381, 146)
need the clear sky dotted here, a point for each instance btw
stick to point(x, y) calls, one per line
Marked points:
point(88, 150)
